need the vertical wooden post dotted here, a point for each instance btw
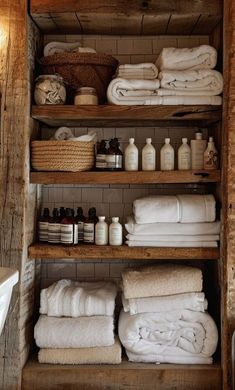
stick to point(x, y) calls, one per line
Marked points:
point(17, 196)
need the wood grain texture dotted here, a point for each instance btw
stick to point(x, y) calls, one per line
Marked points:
point(140, 177)
point(110, 115)
point(133, 376)
point(85, 251)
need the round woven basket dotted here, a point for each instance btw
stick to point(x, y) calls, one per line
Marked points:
point(72, 156)
point(82, 70)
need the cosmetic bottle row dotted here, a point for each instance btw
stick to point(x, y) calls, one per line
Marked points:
point(199, 155)
point(63, 227)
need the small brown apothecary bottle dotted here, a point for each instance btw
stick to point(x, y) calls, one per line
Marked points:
point(68, 230)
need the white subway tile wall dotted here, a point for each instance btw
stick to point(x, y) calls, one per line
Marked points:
point(114, 200)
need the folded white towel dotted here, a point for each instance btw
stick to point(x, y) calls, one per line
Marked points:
point(201, 57)
point(179, 244)
point(184, 229)
point(143, 71)
point(205, 82)
point(182, 336)
point(82, 332)
point(175, 208)
point(172, 238)
point(191, 301)
point(76, 299)
point(95, 355)
point(161, 280)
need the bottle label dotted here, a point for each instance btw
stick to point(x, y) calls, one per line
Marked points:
point(101, 161)
point(131, 161)
point(54, 233)
point(210, 160)
point(80, 230)
point(198, 149)
point(168, 161)
point(66, 235)
point(43, 231)
point(148, 161)
point(75, 234)
point(114, 161)
point(115, 235)
point(101, 236)
point(89, 232)
point(184, 161)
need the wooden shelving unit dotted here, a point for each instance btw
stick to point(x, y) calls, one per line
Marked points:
point(121, 116)
point(83, 251)
point(140, 177)
point(139, 376)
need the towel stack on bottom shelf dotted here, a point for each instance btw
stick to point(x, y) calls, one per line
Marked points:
point(76, 325)
point(164, 318)
point(173, 221)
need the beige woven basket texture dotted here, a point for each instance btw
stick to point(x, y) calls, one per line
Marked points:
point(69, 156)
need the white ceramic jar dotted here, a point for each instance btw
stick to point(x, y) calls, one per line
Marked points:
point(115, 232)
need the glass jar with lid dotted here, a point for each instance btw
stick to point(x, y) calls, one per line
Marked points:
point(85, 95)
point(49, 89)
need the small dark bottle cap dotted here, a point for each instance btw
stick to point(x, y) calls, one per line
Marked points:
point(46, 212)
point(55, 212)
point(80, 211)
point(68, 212)
point(92, 211)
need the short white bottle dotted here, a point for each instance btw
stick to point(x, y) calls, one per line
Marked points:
point(211, 155)
point(184, 156)
point(198, 147)
point(148, 156)
point(101, 232)
point(167, 156)
point(115, 232)
point(131, 156)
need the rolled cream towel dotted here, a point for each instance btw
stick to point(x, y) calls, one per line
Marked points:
point(191, 301)
point(143, 71)
point(201, 57)
point(81, 332)
point(63, 133)
point(60, 47)
point(93, 355)
point(161, 280)
point(175, 208)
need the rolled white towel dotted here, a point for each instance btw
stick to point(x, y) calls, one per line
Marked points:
point(201, 57)
point(63, 133)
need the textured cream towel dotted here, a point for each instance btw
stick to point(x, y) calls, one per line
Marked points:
point(201, 57)
point(96, 355)
point(82, 332)
point(143, 71)
point(178, 244)
point(161, 280)
point(172, 237)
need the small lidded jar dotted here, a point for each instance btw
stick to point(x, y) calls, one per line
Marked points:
point(49, 89)
point(85, 95)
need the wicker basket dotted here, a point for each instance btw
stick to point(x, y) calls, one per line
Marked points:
point(70, 156)
point(82, 70)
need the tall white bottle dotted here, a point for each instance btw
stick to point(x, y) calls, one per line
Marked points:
point(198, 147)
point(101, 232)
point(167, 156)
point(148, 156)
point(184, 156)
point(115, 232)
point(131, 156)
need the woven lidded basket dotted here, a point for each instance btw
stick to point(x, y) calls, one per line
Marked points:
point(69, 156)
point(82, 70)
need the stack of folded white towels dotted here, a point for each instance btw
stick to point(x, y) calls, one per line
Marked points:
point(76, 325)
point(164, 318)
point(186, 220)
point(186, 77)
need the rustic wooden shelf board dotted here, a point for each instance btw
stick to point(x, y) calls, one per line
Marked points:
point(83, 251)
point(139, 177)
point(129, 375)
point(117, 116)
point(138, 18)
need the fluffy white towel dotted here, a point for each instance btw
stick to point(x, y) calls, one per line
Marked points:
point(201, 57)
point(175, 208)
point(82, 332)
point(144, 71)
point(190, 82)
point(63, 133)
point(191, 301)
point(161, 280)
point(96, 355)
point(74, 299)
point(169, 228)
point(179, 244)
point(63, 47)
point(164, 337)
point(172, 238)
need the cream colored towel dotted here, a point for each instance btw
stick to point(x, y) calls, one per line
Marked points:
point(201, 57)
point(161, 280)
point(96, 355)
point(144, 71)
point(82, 332)
point(65, 47)
point(172, 237)
point(176, 244)
point(205, 82)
